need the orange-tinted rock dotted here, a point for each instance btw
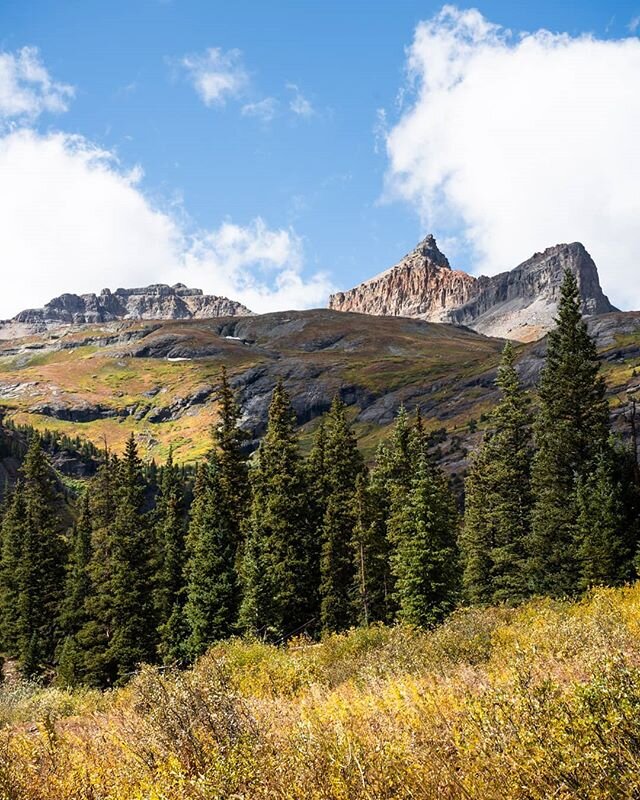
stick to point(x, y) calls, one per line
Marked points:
point(519, 304)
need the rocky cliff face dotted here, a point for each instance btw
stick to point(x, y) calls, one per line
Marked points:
point(158, 301)
point(519, 304)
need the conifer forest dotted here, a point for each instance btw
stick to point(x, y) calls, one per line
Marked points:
point(154, 565)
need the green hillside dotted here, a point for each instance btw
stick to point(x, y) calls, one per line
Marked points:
point(158, 379)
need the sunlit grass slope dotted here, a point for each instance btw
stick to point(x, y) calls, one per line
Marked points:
point(105, 382)
point(537, 702)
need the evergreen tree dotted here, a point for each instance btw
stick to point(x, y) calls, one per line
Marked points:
point(317, 482)
point(603, 551)
point(343, 466)
point(371, 599)
point(394, 460)
point(170, 532)
point(423, 528)
point(133, 634)
point(136, 597)
point(216, 531)
point(212, 580)
point(317, 479)
point(391, 474)
point(40, 572)
point(231, 464)
point(77, 590)
point(571, 430)
point(13, 527)
point(231, 467)
point(94, 637)
point(280, 592)
point(498, 498)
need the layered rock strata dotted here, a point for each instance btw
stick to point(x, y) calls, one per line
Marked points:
point(519, 304)
point(157, 301)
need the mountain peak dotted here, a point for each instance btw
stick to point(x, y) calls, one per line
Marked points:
point(519, 304)
point(428, 248)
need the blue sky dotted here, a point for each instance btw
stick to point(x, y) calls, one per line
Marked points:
point(302, 142)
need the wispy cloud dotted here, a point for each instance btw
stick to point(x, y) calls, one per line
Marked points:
point(216, 75)
point(380, 130)
point(634, 24)
point(264, 110)
point(299, 104)
point(26, 87)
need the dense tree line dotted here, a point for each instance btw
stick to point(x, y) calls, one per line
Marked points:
point(552, 502)
point(161, 562)
point(51, 441)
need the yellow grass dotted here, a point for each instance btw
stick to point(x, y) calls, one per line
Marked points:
point(538, 702)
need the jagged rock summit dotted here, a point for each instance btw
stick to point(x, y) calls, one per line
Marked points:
point(519, 304)
point(157, 301)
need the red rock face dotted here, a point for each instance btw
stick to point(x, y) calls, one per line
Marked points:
point(409, 290)
point(520, 304)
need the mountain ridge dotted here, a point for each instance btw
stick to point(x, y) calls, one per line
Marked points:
point(157, 301)
point(518, 304)
point(159, 379)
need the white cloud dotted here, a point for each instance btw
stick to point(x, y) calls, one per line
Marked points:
point(216, 75)
point(264, 110)
point(299, 103)
point(73, 220)
point(634, 24)
point(263, 267)
point(523, 141)
point(26, 88)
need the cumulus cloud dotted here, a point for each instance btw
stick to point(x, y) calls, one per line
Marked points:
point(74, 221)
point(261, 266)
point(26, 88)
point(521, 141)
point(216, 75)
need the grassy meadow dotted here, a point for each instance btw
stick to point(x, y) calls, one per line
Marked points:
point(537, 702)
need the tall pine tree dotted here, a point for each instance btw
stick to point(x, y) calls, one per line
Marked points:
point(280, 592)
point(212, 579)
point(94, 637)
point(571, 430)
point(13, 529)
point(77, 591)
point(498, 498)
point(391, 475)
point(344, 464)
point(371, 600)
point(317, 478)
point(170, 532)
point(423, 529)
point(133, 637)
point(228, 440)
point(40, 570)
point(604, 550)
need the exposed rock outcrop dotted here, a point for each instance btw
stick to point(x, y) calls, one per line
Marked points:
point(519, 304)
point(157, 301)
